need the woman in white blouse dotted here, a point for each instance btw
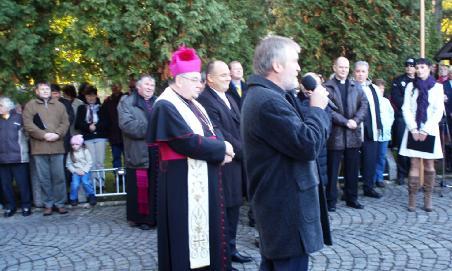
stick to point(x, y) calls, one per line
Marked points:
point(422, 110)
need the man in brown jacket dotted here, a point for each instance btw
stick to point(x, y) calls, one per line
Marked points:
point(46, 121)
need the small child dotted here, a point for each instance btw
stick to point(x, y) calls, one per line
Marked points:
point(387, 118)
point(79, 163)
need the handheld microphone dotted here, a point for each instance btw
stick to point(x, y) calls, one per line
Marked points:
point(309, 83)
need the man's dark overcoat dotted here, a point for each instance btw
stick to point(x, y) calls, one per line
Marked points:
point(227, 121)
point(280, 149)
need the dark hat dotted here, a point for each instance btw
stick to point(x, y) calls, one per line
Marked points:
point(410, 62)
point(423, 61)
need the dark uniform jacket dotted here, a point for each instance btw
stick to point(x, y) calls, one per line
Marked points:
point(397, 96)
point(280, 151)
point(227, 121)
point(357, 106)
point(398, 93)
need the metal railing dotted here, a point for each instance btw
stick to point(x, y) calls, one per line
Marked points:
point(99, 178)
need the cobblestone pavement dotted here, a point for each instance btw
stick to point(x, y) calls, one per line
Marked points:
point(383, 236)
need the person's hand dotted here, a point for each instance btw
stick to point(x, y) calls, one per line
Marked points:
point(50, 137)
point(422, 136)
point(416, 135)
point(79, 172)
point(446, 98)
point(92, 127)
point(319, 97)
point(229, 149)
point(351, 124)
point(227, 159)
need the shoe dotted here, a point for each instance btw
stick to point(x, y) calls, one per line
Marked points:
point(238, 258)
point(372, 193)
point(26, 211)
point(400, 181)
point(92, 200)
point(73, 202)
point(233, 269)
point(355, 204)
point(9, 212)
point(144, 227)
point(47, 212)
point(331, 209)
point(62, 210)
point(380, 184)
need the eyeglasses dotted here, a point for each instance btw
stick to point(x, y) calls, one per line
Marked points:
point(193, 79)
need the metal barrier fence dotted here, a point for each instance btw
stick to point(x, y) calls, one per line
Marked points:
point(99, 177)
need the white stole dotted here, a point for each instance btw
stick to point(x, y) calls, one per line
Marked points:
point(198, 188)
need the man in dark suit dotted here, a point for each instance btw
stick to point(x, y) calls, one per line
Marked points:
point(225, 116)
point(237, 86)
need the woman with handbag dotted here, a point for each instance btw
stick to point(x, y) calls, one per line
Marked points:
point(422, 110)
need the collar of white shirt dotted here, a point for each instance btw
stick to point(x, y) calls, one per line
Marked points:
point(223, 97)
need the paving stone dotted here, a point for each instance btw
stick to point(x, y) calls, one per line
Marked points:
point(383, 236)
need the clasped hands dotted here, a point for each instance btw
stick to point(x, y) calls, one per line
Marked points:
point(50, 137)
point(418, 135)
point(229, 153)
point(351, 124)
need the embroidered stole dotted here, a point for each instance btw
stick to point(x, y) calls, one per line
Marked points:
point(198, 188)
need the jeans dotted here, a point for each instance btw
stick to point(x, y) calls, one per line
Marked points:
point(75, 184)
point(50, 173)
point(117, 150)
point(381, 160)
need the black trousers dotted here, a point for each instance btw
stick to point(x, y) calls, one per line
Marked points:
point(369, 152)
point(20, 173)
point(350, 164)
point(232, 214)
point(403, 162)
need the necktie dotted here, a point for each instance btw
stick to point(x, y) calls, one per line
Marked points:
point(239, 90)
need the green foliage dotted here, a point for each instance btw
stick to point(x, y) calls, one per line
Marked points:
point(381, 32)
point(101, 40)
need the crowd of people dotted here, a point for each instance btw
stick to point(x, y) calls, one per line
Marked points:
point(195, 152)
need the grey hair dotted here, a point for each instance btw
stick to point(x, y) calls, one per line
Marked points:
point(142, 78)
point(361, 63)
point(269, 50)
point(8, 103)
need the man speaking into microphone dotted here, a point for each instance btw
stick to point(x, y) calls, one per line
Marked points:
point(280, 151)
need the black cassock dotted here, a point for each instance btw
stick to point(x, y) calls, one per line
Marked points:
point(176, 142)
point(134, 214)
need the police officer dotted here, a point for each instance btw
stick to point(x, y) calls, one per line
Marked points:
point(397, 94)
